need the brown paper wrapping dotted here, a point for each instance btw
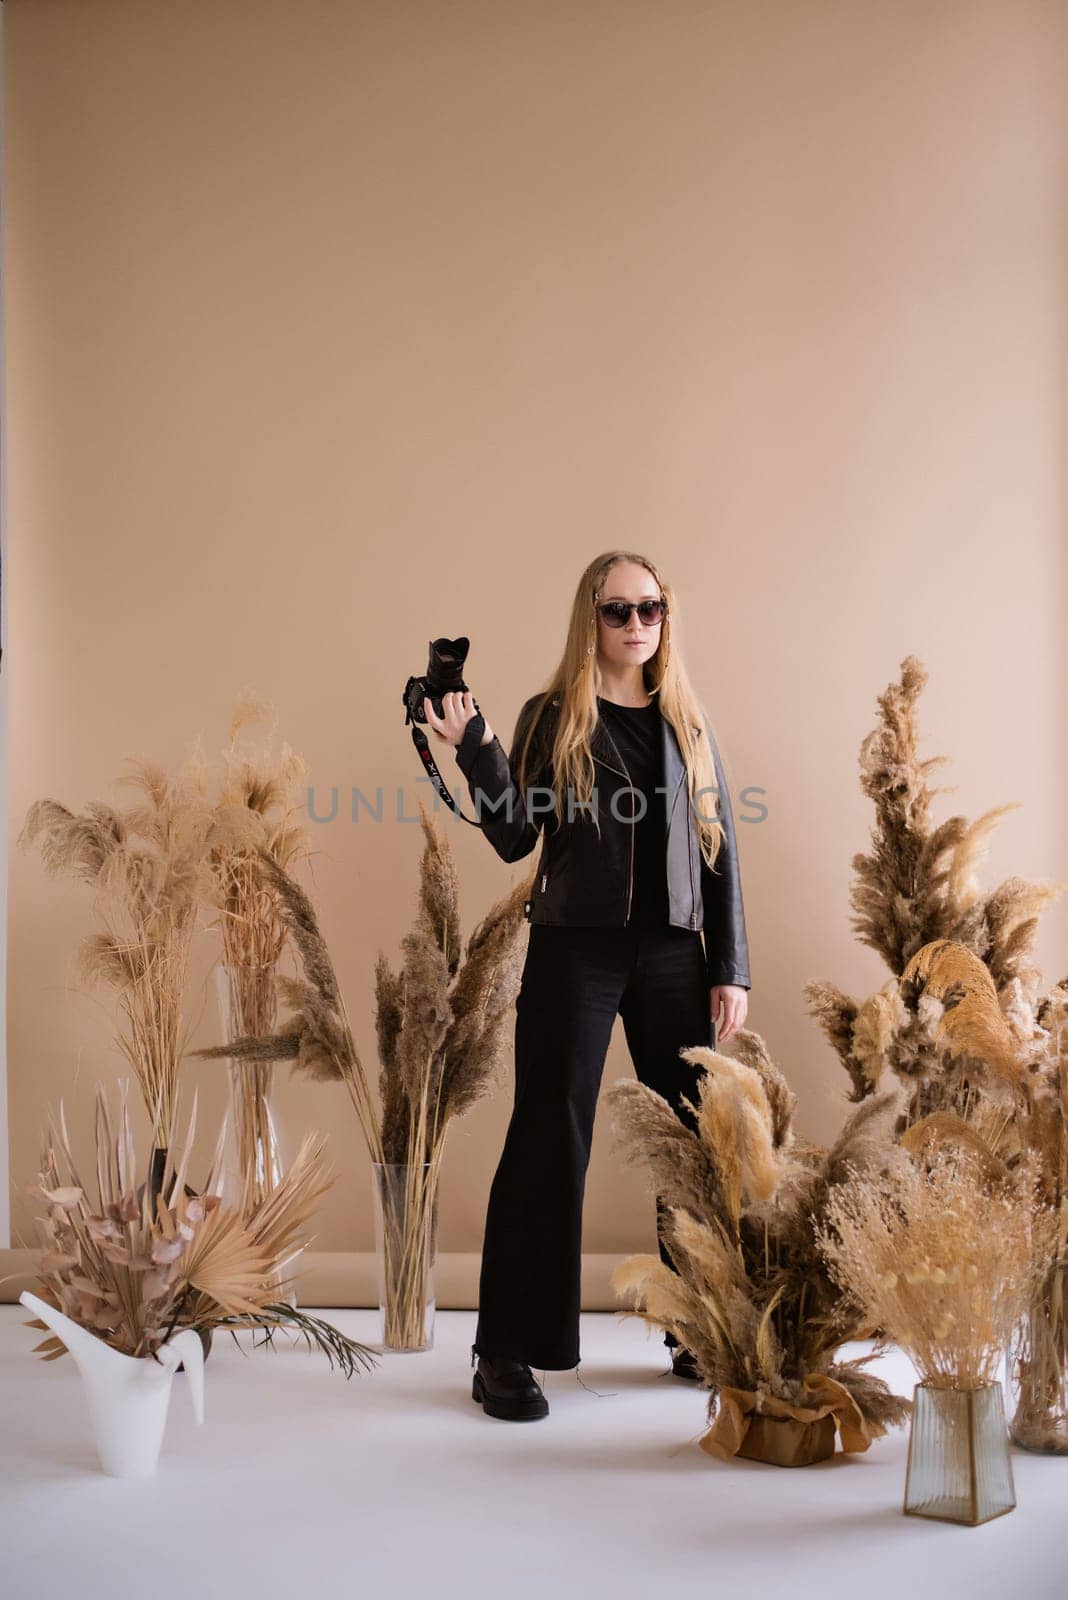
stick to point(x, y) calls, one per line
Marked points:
point(785, 1433)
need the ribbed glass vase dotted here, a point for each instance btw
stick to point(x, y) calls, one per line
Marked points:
point(255, 1160)
point(959, 1467)
point(405, 1197)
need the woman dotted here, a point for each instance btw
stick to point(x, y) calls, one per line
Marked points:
point(615, 768)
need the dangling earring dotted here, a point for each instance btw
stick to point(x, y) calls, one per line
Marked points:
point(589, 652)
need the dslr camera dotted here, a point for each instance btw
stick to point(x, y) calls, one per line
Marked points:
point(444, 675)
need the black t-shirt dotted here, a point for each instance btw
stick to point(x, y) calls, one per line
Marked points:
point(637, 734)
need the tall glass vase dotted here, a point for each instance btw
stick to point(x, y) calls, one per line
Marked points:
point(1038, 1372)
point(254, 1156)
point(405, 1198)
point(959, 1468)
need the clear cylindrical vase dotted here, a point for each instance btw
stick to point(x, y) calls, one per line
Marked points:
point(254, 1154)
point(1038, 1373)
point(405, 1196)
point(959, 1467)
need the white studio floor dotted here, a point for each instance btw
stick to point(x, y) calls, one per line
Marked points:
point(395, 1482)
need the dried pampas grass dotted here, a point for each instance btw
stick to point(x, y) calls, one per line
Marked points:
point(440, 1020)
point(974, 1026)
point(918, 888)
point(440, 1023)
point(257, 801)
point(1007, 1065)
point(919, 883)
point(962, 1025)
point(751, 1296)
point(149, 870)
point(1040, 1346)
point(317, 1036)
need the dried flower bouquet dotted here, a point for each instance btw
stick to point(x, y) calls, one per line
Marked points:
point(917, 892)
point(751, 1297)
point(942, 1251)
point(1029, 1134)
point(134, 1266)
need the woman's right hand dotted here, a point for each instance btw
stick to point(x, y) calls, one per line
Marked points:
point(458, 707)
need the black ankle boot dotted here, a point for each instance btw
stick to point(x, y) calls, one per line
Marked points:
point(507, 1388)
point(683, 1364)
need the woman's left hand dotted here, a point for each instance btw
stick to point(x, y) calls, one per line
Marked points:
point(729, 1006)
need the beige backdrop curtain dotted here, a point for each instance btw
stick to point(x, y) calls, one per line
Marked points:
point(335, 327)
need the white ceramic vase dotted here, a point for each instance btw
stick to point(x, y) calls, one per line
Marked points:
point(128, 1395)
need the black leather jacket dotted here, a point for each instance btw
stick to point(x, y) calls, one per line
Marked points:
point(586, 881)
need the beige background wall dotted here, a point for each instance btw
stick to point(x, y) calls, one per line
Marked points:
point(332, 327)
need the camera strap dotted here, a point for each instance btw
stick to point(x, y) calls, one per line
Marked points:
point(426, 756)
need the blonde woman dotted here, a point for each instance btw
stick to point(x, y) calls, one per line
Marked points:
point(615, 770)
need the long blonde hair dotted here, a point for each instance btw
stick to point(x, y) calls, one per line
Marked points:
point(574, 686)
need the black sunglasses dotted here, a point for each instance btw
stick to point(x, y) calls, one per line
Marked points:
point(616, 613)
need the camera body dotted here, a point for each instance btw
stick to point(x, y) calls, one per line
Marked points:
point(444, 675)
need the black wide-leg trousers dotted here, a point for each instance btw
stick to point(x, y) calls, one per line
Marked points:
point(575, 982)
